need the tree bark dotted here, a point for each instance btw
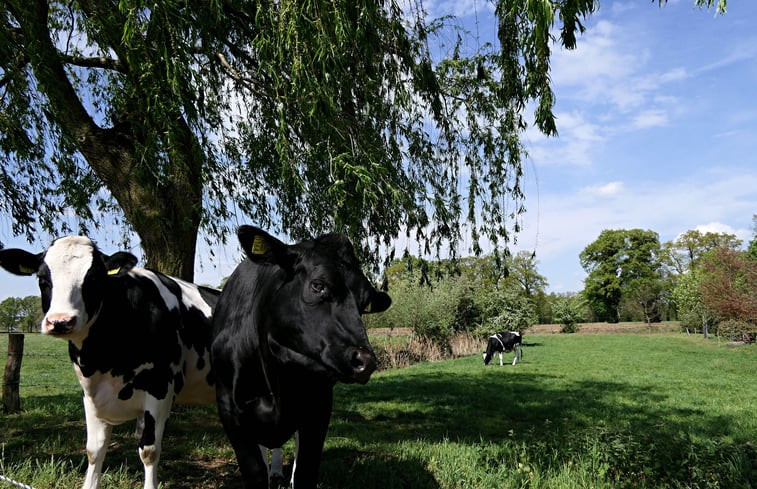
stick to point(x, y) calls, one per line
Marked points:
point(163, 206)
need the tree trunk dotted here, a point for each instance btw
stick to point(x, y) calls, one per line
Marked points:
point(165, 211)
point(12, 374)
point(159, 192)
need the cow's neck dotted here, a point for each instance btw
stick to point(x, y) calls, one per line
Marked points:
point(266, 374)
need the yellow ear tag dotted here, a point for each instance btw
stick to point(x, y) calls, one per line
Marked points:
point(114, 271)
point(259, 246)
point(367, 308)
point(26, 270)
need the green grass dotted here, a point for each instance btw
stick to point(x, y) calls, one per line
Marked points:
point(580, 411)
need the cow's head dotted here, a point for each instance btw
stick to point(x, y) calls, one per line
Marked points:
point(487, 357)
point(72, 275)
point(313, 315)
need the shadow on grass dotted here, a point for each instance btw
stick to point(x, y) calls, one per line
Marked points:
point(636, 429)
point(53, 428)
point(349, 467)
point(641, 435)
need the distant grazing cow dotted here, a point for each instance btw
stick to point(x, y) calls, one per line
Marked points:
point(139, 340)
point(287, 327)
point(502, 343)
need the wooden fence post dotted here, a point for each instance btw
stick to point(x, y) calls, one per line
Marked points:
point(12, 375)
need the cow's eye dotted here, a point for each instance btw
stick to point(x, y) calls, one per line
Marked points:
point(318, 286)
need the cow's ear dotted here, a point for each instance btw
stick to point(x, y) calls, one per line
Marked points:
point(261, 247)
point(380, 302)
point(20, 262)
point(119, 262)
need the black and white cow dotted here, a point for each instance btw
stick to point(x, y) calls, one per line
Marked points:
point(139, 340)
point(502, 343)
point(287, 327)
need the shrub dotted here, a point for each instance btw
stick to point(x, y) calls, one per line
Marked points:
point(435, 312)
point(568, 311)
point(465, 344)
point(736, 330)
point(398, 352)
point(507, 309)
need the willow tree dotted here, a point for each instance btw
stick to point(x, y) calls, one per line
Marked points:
point(176, 117)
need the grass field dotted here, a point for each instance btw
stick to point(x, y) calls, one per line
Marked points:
point(580, 411)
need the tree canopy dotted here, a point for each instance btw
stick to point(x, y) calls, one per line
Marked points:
point(728, 285)
point(619, 260)
point(686, 251)
point(171, 118)
point(20, 314)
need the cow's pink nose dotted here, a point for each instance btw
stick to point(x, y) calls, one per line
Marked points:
point(59, 323)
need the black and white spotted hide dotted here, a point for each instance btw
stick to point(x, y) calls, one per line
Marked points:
point(138, 340)
point(502, 343)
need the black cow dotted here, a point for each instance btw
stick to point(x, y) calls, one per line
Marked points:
point(139, 340)
point(502, 343)
point(287, 327)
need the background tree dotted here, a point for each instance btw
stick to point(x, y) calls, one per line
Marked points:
point(614, 261)
point(173, 116)
point(728, 285)
point(20, 314)
point(646, 298)
point(569, 310)
point(523, 269)
point(752, 249)
point(439, 299)
point(692, 310)
point(320, 115)
point(506, 309)
point(686, 251)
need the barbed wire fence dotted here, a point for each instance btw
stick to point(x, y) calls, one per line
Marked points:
point(14, 483)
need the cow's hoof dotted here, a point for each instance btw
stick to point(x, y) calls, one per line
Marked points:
point(277, 482)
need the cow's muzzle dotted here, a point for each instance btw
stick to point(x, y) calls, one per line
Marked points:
point(58, 324)
point(363, 363)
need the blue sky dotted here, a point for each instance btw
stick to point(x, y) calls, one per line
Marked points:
point(657, 115)
point(657, 119)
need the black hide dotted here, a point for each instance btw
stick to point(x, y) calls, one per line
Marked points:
point(286, 328)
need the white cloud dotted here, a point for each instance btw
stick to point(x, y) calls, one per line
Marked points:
point(567, 222)
point(650, 118)
point(738, 52)
point(597, 59)
point(610, 72)
point(482, 10)
point(575, 145)
point(607, 190)
point(714, 227)
point(718, 227)
point(676, 74)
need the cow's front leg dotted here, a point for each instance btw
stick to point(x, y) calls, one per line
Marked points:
point(500, 358)
point(98, 438)
point(517, 355)
point(310, 436)
point(276, 471)
point(150, 445)
point(252, 465)
point(240, 428)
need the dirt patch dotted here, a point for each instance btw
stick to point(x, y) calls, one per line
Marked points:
point(586, 328)
point(610, 328)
